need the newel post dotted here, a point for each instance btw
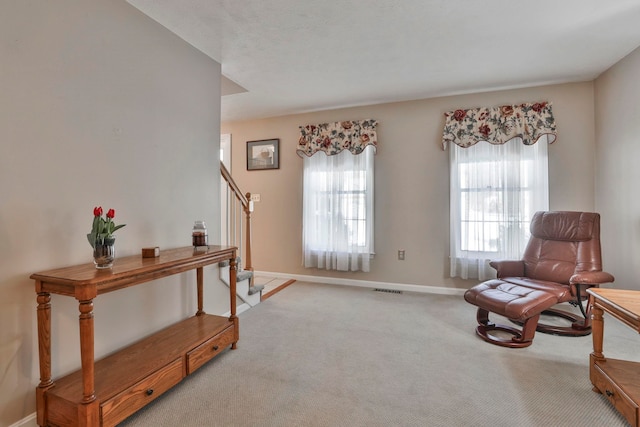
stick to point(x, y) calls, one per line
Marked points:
point(248, 208)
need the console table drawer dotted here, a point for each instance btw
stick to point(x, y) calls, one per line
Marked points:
point(135, 397)
point(209, 349)
point(614, 394)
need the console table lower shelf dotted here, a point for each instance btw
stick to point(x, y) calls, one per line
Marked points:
point(616, 379)
point(134, 376)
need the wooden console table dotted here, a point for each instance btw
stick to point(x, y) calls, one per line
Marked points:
point(616, 379)
point(105, 392)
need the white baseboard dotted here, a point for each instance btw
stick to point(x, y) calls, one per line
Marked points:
point(29, 421)
point(365, 283)
point(239, 309)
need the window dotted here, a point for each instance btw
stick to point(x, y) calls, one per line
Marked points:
point(495, 190)
point(338, 210)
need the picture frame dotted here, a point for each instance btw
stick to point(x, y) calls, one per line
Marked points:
point(263, 154)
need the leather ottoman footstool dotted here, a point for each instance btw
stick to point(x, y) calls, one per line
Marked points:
point(514, 302)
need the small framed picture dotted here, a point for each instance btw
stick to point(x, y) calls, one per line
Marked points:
point(263, 154)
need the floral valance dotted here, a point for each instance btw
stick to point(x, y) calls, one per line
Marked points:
point(332, 138)
point(498, 125)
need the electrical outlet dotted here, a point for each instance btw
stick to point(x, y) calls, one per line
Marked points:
point(255, 197)
point(401, 254)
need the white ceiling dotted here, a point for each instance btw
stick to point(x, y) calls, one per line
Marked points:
point(296, 56)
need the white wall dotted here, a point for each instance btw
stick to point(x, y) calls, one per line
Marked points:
point(99, 105)
point(618, 172)
point(412, 180)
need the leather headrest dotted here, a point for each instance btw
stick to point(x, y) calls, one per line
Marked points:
point(565, 226)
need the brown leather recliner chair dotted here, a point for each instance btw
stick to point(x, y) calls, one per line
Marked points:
point(562, 259)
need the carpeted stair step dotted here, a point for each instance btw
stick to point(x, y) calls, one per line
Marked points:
point(243, 275)
point(255, 289)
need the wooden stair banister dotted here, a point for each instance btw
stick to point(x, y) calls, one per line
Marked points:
point(247, 208)
point(233, 186)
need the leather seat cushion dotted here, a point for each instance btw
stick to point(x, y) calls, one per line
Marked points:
point(510, 300)
point(561, 292)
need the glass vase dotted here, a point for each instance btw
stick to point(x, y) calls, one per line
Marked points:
point(104, 253)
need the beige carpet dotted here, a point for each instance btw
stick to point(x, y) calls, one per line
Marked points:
point(322, 355)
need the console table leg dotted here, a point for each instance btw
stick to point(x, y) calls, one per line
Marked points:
point(44, 352)
point(86, 351)
point(89, 414)
point(597, 331)
point(200, 282)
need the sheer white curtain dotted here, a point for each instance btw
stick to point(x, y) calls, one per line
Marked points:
point(495, 190)
point(338, 210)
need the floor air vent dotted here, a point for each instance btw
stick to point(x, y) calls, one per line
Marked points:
point(388, 291)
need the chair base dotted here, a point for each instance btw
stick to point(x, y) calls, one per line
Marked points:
point(579, 327)
point(519, 338)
